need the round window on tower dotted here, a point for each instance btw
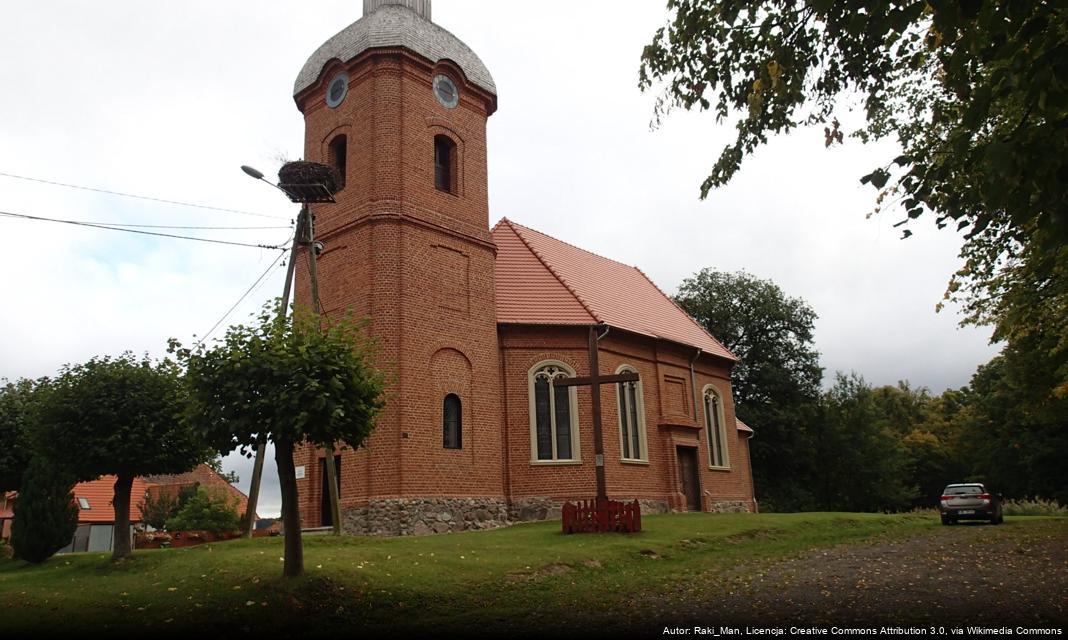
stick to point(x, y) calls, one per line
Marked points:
point(446, 92)
point(338, 89)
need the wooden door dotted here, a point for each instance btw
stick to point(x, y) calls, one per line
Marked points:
point(688, 478)
point(324, 503)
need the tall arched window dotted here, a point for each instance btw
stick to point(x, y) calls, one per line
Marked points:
point(553, 415)
point(631, 418)
point(339, 155)
point(452, 420)
point(716, 429)
point(444, 164)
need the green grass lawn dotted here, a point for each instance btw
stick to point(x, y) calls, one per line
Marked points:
point(492, 581)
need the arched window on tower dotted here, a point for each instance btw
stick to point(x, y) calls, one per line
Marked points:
point(452, 419)
point(339, 154)
point(444, 164)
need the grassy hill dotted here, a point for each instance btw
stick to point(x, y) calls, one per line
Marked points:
point(510, 580)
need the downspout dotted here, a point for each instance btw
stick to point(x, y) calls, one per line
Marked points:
point(507, 480)
point(749, 457)
point(693, 381)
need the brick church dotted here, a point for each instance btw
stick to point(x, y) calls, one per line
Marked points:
point(474, 323)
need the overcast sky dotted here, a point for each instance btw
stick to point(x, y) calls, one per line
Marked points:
point(169, 99)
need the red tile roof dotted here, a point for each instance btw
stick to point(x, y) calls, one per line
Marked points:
point(542, 280)
point(742, 426)
point(100, 493)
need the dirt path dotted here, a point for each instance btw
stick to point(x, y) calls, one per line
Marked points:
point(973, 574)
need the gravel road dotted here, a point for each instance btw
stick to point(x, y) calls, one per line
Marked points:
point(959, 576)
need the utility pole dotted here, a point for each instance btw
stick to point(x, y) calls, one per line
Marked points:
point(261, 449)
point(328, 459)
point(303, 191)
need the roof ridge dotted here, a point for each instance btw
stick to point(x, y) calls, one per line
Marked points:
point(573, 246)
point(688, 316)
point(545, 263)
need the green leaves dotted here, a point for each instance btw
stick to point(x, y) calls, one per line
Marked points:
point(287, 379)
point(972, 92)
point(116, 416)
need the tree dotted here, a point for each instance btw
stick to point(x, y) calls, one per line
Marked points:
point(45, 517)
point(972, 91)
point(776, 384)
point(159, 507)
point(216, 465)
point(292, 380)
point(16, 449)
point(864, 465)
point(118, 416)
point(1013, 433)
point(207, 510)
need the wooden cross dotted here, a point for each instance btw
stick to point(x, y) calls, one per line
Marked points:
point(594, 381)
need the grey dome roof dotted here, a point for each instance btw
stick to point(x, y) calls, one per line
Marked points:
point(394, 25)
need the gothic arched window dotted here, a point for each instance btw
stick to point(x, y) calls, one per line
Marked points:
point(553, 415)
point(452, 419)
point(631, 418)
point(716, 429)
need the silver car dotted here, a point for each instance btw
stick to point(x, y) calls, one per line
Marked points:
point(969, 501)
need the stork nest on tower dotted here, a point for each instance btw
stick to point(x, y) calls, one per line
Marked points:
point(301, 172)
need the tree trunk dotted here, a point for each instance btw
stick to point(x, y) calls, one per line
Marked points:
point(121, 503)
point(287, 481)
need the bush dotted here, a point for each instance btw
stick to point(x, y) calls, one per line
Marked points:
point(209, 510)
point(157, 509)
point(45, 517)
point(1033, 507)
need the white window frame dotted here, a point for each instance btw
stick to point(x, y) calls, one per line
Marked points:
point(719, 424)
point(83, 504)
point(562, 370)
point(639, 409)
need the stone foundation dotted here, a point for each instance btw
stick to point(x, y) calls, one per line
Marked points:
point(534, 509)
point(729, 506)
point(423, 516)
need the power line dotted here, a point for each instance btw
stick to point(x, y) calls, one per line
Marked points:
point(248, 292)
point(139, 197)
point(146, 233)
point(171, 226)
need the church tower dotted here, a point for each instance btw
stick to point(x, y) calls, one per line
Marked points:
point(398, 105)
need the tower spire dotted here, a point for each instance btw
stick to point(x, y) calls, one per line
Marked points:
point(421, 7)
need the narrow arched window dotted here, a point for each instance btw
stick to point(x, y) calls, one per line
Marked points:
point(453, 422)
point(716, 429)
point(554, 433)
point(444, 164)
point(339, 155)
point(631, 418)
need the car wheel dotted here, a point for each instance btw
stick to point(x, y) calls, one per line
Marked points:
point(946, 521)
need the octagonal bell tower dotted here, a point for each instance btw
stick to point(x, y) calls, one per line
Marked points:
point(398, 105)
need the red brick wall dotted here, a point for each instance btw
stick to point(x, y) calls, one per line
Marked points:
point(419, 262)
point(660, 366)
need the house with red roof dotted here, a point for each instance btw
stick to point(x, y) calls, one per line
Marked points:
point(96, 514)
point(480, 327)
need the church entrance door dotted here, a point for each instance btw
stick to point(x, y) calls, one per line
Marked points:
point(324, 502)
point(688, 478)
